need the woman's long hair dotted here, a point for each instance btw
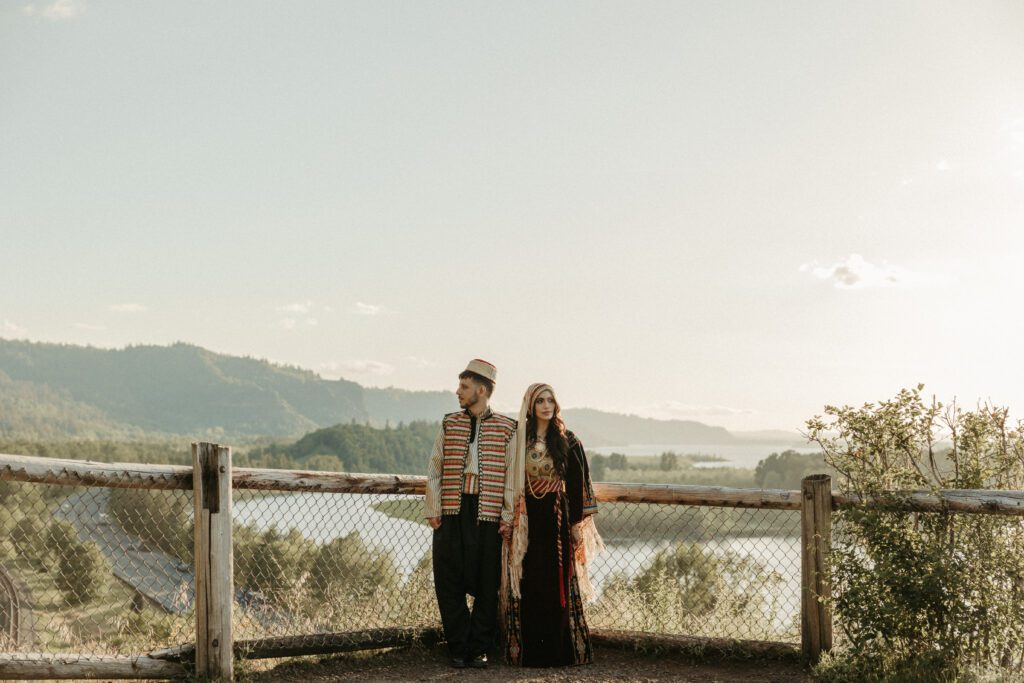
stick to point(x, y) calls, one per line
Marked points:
point(555, 439)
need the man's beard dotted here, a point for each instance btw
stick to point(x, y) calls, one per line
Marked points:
point(470, 402)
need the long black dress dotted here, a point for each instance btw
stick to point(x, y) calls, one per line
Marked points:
point(547, 626)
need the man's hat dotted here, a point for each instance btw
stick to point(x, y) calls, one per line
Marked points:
point(483, 368)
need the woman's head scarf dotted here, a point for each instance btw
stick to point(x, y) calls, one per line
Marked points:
point(512, 567)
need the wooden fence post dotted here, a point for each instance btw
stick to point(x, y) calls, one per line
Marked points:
point(816, 538)
point(214, 563)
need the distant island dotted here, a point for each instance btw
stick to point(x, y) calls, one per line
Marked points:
point(61, 391)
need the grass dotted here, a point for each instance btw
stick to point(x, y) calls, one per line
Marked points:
point(104, 626)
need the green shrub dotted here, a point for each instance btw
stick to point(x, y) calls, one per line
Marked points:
point(82, 573)
point(936, 591)
point(29, 540)
point(274, 564)
point(346, 569)
point(691, 589)
point(668, 461)
point(60, 536)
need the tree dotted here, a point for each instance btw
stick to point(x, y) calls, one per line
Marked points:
point(669, 461)
point(325, 463)
point(690, 570)
point(82, 573)
point(937, 592)
point(29, 540)
point(60, 537)
point(276, 564)
point(787, 469)
point(346, 568)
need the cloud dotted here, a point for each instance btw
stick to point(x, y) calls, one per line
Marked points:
point(420, 363)
point(59, 10)
point(359, 367)
point(128, 308)
point(676, 410)
point(301, 307)
point(9, 329)
point(368, 309)
point(295, 323)
point(89, 327)
point(943, 165)
point(854, 272)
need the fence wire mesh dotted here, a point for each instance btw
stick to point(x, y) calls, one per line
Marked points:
point(318, 563)
point(90, 571)
point(309, 563)
point(94, 571)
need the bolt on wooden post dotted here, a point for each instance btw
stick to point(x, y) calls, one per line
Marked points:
point(214, 562)
point(816, 539)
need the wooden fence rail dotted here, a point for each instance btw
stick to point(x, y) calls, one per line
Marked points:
point(212, 480)
point(65, 472)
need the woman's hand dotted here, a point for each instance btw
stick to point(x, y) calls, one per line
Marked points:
point(505, 529)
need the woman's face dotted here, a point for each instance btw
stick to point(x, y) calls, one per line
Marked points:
point(544, 405)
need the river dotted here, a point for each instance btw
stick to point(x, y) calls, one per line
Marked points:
point(323, 517)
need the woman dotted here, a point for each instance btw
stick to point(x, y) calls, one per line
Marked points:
point(550, 536)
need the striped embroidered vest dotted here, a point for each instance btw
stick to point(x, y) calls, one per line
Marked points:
point(495, 433)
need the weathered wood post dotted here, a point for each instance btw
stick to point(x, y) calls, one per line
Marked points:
point(816, 538)
point(214, 562)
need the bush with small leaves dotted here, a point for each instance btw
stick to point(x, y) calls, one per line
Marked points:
point(82, 573)
point(346, 569)
point(29, 540)
point(929, 591)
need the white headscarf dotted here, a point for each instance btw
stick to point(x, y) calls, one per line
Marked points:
point(512, 566)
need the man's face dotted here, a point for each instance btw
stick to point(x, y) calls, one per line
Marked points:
point(469, 393)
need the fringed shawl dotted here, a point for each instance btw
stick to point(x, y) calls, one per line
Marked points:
point(582, 504)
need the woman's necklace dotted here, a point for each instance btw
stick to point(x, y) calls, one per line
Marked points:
point(538, 451)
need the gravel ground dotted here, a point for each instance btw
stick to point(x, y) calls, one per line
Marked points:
point(421, 664)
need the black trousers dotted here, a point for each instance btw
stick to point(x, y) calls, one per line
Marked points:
point(467, 560)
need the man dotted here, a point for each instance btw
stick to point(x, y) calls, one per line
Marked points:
point(465, 489)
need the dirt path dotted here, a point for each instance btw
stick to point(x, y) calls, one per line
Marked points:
point(420, 664)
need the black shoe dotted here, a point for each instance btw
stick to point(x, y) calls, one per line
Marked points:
point(457, 662)
point(479, 662)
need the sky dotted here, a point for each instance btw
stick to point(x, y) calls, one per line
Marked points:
point(733, 212)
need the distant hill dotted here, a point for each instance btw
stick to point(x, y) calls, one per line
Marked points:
point(35, 411)
point(598, 428)
point(404, 449)
point(52, 391)
point(772, 436)
point(185, 389)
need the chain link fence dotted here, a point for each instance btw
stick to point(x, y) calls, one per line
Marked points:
point(92, 572)
point(321, 563)
point(106, 570)
point(318, 563)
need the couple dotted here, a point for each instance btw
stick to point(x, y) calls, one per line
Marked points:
point(510, 503)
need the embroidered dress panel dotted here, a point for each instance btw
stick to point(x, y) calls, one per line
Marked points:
point(541, 476)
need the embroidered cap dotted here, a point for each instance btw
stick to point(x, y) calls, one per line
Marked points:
point(483, 368)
